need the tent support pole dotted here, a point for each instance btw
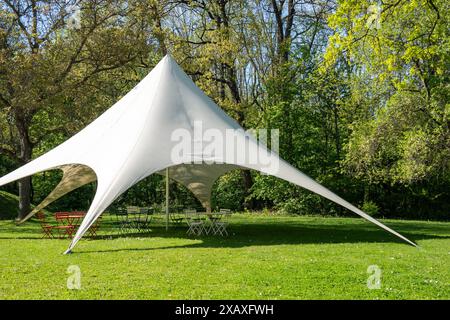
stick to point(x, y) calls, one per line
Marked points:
point(167, 199)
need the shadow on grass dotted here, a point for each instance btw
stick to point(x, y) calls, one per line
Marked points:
point(264, 234)
point(283, 234)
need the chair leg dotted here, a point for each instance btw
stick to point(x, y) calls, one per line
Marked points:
point(47, 233)
point(92, 231)
point(123, 227)
point(198, 229)
point(225, 231)
point(214, 228)
point(222, 230)
point(70, 232)
point(219, 230)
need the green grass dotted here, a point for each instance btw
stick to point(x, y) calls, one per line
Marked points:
point(266, 257)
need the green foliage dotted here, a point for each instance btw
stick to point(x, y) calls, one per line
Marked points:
point(400, 135)
point(145, 193)
point(228, 192)
point(304, 204)
point(359, 93)
point(370, 208)
point(6, 166)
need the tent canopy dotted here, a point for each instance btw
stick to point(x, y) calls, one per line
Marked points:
point(137, 137)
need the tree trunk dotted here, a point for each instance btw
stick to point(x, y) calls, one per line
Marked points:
point(24, 184)
point(283, 28)
point(246, 174)
point(229, 72)
point(248, 183)
point(337, 134)
point(24, 197)
point(157, 29)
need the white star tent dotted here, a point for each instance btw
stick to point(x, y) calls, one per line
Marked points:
point(141, 134)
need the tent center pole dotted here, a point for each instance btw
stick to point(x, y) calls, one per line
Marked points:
point(167, 199)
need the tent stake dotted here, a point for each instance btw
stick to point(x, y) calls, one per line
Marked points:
point(167, 199)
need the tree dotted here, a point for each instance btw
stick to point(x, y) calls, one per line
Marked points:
point(45, 62)
point(399, 51)
point(209, 39)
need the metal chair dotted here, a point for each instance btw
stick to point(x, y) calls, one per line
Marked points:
point(134, 214)
point(46, 228)
point(194, 222)
point(222, 225)
point(144, 218)
point(122, 220)
point(157, 214)
point(92, 231)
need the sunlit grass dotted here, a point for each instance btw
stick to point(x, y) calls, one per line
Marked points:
point(265, 257)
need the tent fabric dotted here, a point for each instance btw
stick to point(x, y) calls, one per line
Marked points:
point(199, 178)
point(74, 176)
point(135, 138)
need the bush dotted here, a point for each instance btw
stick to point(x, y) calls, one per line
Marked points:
point(370, 207)
point(228, 191)
point(305, 204)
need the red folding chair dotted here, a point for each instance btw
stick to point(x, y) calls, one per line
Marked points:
point(46, 228)
point(92, 231)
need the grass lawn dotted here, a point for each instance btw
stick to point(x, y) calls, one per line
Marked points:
point(266, 257)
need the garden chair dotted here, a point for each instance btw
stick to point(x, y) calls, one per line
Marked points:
point(222, 225)
point(157, 214)
point(133, 217)
point(138, 218)
point(92, 231)
point(143, 219)
point(214, 219)
point(122, 220)
point(194, 222)
point(46, 228)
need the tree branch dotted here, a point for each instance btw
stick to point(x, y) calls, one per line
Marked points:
point(20, 23)
point(9, 153)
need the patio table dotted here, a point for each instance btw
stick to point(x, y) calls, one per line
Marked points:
point(73, 219)
point(69, 220)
